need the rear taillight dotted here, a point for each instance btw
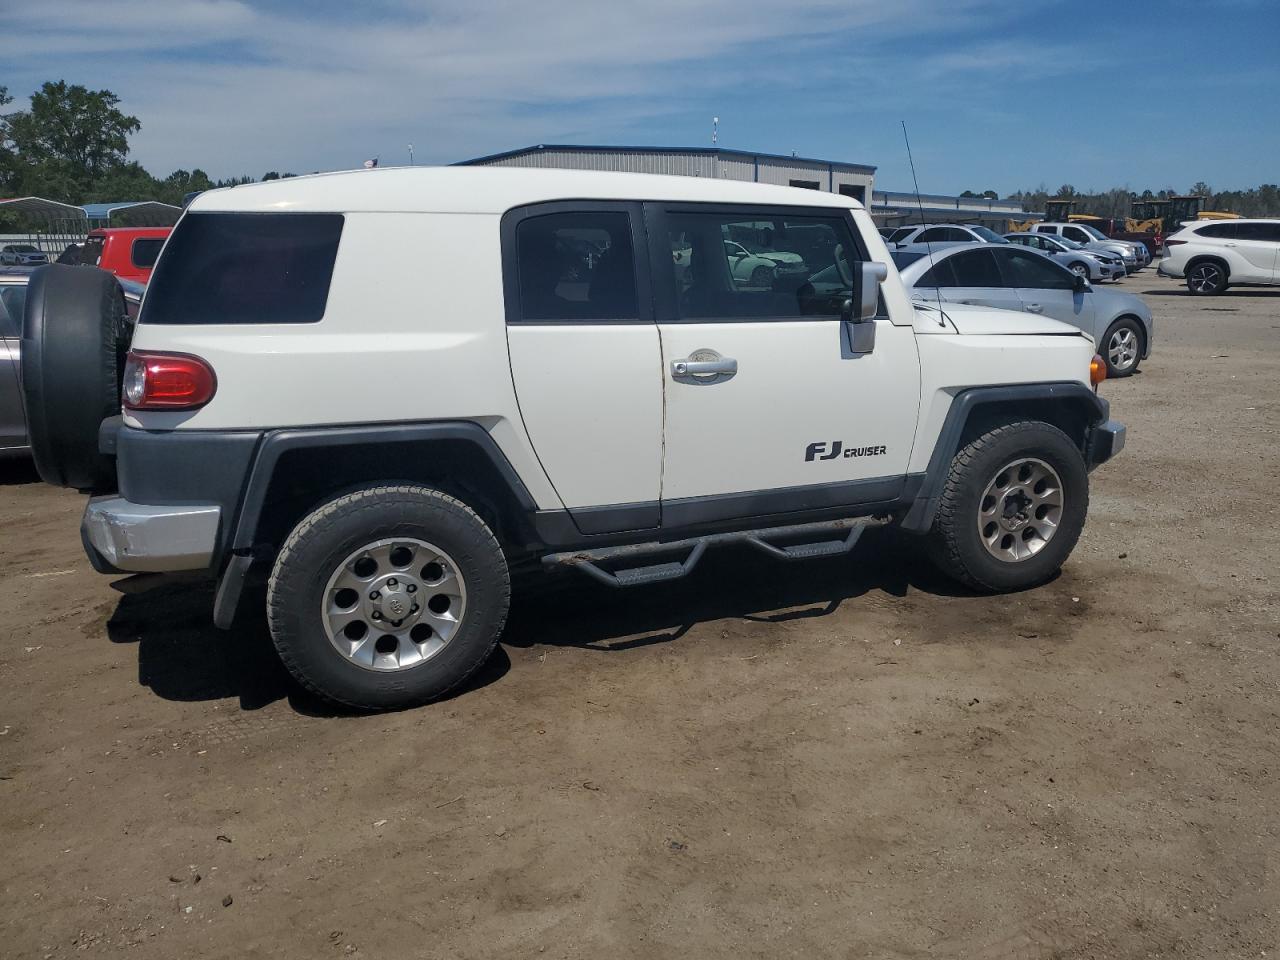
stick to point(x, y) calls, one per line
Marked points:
point(167, 381)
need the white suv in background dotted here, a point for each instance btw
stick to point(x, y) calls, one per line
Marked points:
point(1219, 253)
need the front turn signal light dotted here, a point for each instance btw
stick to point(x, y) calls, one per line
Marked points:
point(1097, 369)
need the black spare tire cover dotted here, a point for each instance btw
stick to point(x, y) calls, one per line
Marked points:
point(75, 335)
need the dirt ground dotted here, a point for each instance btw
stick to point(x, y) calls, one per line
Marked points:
point(838, 759)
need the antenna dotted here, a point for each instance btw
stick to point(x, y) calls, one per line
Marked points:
point(920, 206)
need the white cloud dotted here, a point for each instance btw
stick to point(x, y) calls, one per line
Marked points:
point(240, 87)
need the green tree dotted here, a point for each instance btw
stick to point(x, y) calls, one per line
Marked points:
point(74, 127)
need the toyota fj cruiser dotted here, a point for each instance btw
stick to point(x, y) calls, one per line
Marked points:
point(384, 390)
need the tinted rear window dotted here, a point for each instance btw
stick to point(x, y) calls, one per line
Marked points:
point(145, 250)
point(245, 268)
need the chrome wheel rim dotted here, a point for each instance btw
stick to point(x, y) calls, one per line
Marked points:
point(1080, 270)
point(1122, 348)
point(1020, 510)
point(393, 604)
point(1204, 278)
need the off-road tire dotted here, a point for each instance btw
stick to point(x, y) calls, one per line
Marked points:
point(328, 535)
point(955, 544)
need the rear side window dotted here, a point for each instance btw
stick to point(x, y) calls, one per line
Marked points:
point(1266, 232)
point(576, 266)
point(145, 250)
point(1218, 231)
point(976, 268)
point(245, 268)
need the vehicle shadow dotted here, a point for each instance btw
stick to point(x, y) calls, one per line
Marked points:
point(183, 657)
point(17, 471)
point(1231, 292)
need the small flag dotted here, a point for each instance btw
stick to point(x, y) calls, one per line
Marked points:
point(370, 164)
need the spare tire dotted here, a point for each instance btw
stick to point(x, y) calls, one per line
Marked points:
point(75, 335)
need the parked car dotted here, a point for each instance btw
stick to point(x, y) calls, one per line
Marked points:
point(13, 298)
point(617, 427)
point(1013, 277)
point(1214, 255)
point(1093, 239)
point(746, 267)
point(1090, 264)
point(21, 255)
point(128, 252)
point(931, 236)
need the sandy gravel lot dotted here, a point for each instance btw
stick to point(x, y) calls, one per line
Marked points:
point(843, 759)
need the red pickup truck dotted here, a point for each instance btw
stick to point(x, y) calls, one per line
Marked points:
point(128, 252)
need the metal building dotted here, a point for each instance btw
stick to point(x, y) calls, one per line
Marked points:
point(852, 179)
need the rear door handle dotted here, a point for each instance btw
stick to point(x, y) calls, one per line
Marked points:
point(703, 368)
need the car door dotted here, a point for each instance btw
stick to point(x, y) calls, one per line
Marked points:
point(1256, 244)
point(780, 415)
point(970, 276)
point(585, 357)
point(13, 427)
point(1046, 287)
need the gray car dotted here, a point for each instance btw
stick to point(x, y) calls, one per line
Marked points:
point(1015, 277)
point(1090, 264)
point(13, 298)
point(21, 255)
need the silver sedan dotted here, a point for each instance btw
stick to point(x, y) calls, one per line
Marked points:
point(1090, 264)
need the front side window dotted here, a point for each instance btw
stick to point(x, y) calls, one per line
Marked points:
point(1075, 233)
point(1022, 268)
point(13, 298)
point(576, 266)
point(760, 267)
point(245, 268)
point(941, 274)
point(976, 268)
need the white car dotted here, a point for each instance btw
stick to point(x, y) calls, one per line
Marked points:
point(932, 236)
point(425, 386)
point(1215, 254)
point(1091, 238)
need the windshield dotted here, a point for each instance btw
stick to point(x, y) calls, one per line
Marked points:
point(21, 248)
point(1092, 231)
point(1069, 244)
point(988, 235)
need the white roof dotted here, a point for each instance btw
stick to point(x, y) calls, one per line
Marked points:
point(490, 190)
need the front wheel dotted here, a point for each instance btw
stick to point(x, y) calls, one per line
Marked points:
point(1122, 348)
point(388, 597)
point(1012, 508)
point(1080, 269)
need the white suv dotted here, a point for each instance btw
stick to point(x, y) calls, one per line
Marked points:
point(1216, 254)
point(381, 391)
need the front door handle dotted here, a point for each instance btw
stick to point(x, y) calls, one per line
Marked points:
point(1035, 308)
point(703, 368)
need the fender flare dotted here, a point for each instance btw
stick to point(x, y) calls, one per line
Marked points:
point(919, 516)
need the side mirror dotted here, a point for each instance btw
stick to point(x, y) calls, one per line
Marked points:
point(1081, 283)
point(860, 310)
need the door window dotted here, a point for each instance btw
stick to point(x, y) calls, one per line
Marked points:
point(12, 299)
point(1219, 231)
point(1022, 268)
point(729, 267)
point(576, 266)
point(941, 274)
point(976, 268)
point(145, 250)
point(1076, 234)
point(1266, 232)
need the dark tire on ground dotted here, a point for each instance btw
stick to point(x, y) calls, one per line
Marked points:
point(1122, 348)
point(75, 336)
point(1206, 278)
point(319, 545)
point(956, 543)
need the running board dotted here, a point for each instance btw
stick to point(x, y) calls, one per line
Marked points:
point(838, 537)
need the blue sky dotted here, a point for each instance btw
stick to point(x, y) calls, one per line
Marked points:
point(996, 95)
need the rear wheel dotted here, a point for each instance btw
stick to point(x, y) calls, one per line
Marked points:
point(1012, 508)
point(388, 597)
point(1122, 348)
point(1206, 278)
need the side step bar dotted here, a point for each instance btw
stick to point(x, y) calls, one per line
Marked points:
point(832, 539)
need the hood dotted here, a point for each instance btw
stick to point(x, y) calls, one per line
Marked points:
point(972, 320)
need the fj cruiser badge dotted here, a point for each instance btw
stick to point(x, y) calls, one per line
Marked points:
point(820, 451)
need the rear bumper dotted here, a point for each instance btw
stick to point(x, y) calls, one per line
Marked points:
point(120, 536)
point(1105, 441)
point(1166, 269)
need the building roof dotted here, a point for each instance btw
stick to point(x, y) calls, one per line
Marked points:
point(159, 214)
point(38, 206)
point(488, 189)
point(726, 152)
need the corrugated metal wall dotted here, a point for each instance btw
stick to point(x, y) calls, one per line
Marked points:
point(697, 164)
